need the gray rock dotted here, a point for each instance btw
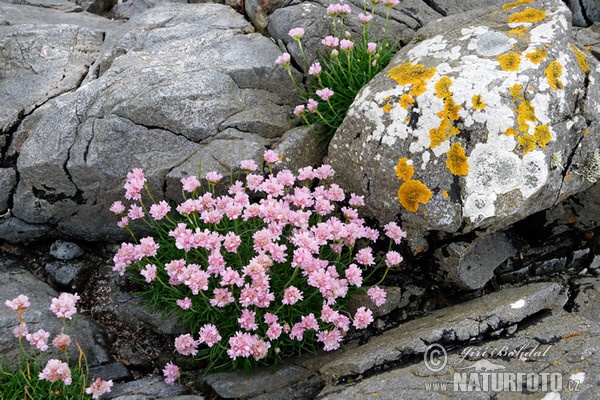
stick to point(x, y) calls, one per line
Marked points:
point(41, 62)
point(128, 9)
point(587, 302)
point(239, 385)
point(15, 280)
point(453, 324)
point(151, 387)
point(64, 250)
point(300, 147)
point(68, 275)
point(114, 371)
point(60, 5)
point(8, 181)
point(471, 265)
point(465, 165)
point(173, 76)
point(15, 230)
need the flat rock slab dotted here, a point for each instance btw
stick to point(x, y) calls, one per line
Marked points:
point(453, 324)
point(558, 343)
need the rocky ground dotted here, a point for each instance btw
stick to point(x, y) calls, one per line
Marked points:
point(538, 315)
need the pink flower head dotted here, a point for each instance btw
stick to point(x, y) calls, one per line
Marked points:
point(147, 248)
point(356, 201)
point(20, 331)
point(346, 45)
point(274, 331)
point(149, 272)
point(315, 68)
point(209, 335)
point(231, 242)
point(365, 19)
point(331, 42)
point(392, 258)
point(377, 296)
point(324, 171)
point(222, 297)
point(135, 184)
point(283, 59)
point(19, 303)
point(390, 3)
point(371, 48)
point(248, 165)
point(123, 222)
point(271, 157)
point(135, 212)
point(160, 210)
point(331, 339)
point(296, 33)
point(184, 303)
point(39, 339)
point(325, 93)
point(291, 296)
point(299, 109)
point(394, 232)
point(213, 176)
point(186, 345)
point(56, 370)
point(310, 322)
point(247, 320)
point(362, 318)
point(99, 387)
point(64, 305)
point(354, 275)
point(365, 256)
point(171, 373)
point(270, 318)
point(312, 105)
point(117, 208)
point(190, 183)
point(61, 341)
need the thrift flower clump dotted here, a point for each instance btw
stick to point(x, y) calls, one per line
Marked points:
point(35, 378)
point(259, 272)
point(345, 65)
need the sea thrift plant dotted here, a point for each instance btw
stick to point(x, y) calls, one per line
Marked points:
point(39, 375)
point(345, 65)
point(259, 272)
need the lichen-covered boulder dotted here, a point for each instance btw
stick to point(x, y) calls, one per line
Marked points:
point(484, 119)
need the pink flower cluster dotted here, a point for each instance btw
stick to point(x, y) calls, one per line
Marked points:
point(64, 305)
point(56, 370)
point(99, 387)
point(284, 226)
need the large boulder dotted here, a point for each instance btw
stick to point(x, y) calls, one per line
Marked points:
point(175, 88)
point(485, 118)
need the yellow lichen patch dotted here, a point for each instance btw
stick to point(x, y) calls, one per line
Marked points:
point(457, 160)
point(516, 4)
point(412, 74)
point(442, 133)
point(586, 132)
point(509, 62)
point(442, 87)
point(510, 132)
point(527, 15)
point(445, 193)
point(527, 142)
point(449, 113)
point(406, 101)
point(525, 114)
point(542, 135)
point(404, 169)
point(537, 56)
point(450, 110)
point(413, 192)
point(477, 102)
point(516, 92)
point(517, 31)
point(387, 108)
point(553, 73)
point(581, 59)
